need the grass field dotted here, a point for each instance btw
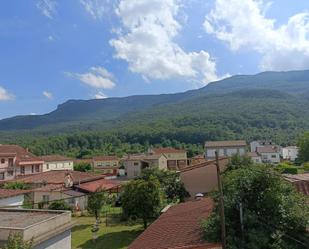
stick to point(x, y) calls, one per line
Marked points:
point(117, 235)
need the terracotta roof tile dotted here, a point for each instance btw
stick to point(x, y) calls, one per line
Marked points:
point(178, 228)
point(5, 193)
point(22, 155)
point(267, 149)
point(98, 185)
point(55, 158)
point(58, 177)
point(167, 150)
point(231, 143)
point(224, 161)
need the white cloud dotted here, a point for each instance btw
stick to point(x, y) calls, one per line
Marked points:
point(243, 25)
point(147, 43)
point(47, 7)
point(5, 95)
point(48, 95)
point(97, 77)
point(50, 38)
point(97, 8)
point(100, 95)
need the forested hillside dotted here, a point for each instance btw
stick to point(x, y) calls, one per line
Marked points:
point(267, 105)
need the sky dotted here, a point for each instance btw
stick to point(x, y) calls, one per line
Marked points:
point(54, 50)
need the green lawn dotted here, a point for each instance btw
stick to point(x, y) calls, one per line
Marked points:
point(117, 235)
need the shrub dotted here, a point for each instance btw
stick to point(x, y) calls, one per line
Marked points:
point(83, 167)
point(59, 205)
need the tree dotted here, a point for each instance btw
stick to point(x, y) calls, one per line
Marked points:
point(142, 199)
point(15, 241)
point(96, 202)
point(16, 185)
point(273, 212)
point(238, 161)
point(83, 167)
point(303, 144)
point(170, 182)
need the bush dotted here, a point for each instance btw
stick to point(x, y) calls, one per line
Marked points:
point(290, 170)
point(306, 166)
point(16, 185)
point(83, 167)
point(59, 205)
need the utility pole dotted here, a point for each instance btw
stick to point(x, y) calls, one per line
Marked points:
point(223, 231)
point(241, 216)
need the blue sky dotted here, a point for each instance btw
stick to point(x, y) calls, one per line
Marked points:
point(52, 51)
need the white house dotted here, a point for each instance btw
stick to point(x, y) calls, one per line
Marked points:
point(12, 197)
point(224, 148)
point(290, 153)
point(269, 154)
point(261, 143)
point(254, 157)
point(57, 162)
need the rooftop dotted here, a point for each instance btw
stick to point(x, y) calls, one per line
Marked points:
point(167, 150)
point(99, 185)
point(209, 163)
point(267, 149)
point(300, 181)
point(105, 158)
point(231, 143)
point(5, 193)
point(55, 158)
point(252, 154)
point(178, 227)
point(22, 155)
point(58, 177)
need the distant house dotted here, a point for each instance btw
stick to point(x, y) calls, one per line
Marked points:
point(202, 178)
point(289, 153)
point(16, 161)
point(106, 164)
point(261, 143)
point(47, 229)
point(12, 197)
point(269, 154)
point(49, 186)
point(178, 228)
point(176, 158)
point(254, 157)
point(224, 148)
point(57, 162)
point(134, 164)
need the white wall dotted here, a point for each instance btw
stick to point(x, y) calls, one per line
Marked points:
point(210, 153)
point(270, 157)
point(290, 153)
point(68, 165)
point(60, 241)
point(12, 201)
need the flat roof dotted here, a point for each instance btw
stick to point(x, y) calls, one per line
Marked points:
point(23, 219)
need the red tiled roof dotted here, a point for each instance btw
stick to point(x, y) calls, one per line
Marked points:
point(55, 158)
point(302, 187)
point(267, 149)
point(105, 158)
point(231, 143)
point(5, 193)
point(22, 155)
point(58, 177)
point(99, 185)
point(178, 228)
point(167, 150)
point(204, 164)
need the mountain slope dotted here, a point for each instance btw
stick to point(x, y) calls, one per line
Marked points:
point(237, 105)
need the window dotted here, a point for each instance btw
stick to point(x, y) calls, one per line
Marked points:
point(1, 176)
point(2, 160)
point(273, 156)
point(136, 163)
point(10, 172)
point(11, 162)
point(47, 166)
point(37, 168)
point(32, 168)
point(22, 169)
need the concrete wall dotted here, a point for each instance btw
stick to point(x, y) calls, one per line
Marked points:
point(65, 165)
point(224, 151)
point(133, 168)
point(111, 163)
point(14, 201)
point(60, 241)
point(290, 153)
point(201, 179)
point(176, 156)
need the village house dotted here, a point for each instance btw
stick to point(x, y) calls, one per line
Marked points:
point(269, 154)
point(254, 157)
point(289, 153)
point(134, 164)
point(16, 161)
point(176, 158)
point(57, 162)
point(47, 229)
point(178, 228)
point(12, 197)
point(260, 143)
point(202, 178)
point(106, 164)
point(224, 148)
point(71, 186)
